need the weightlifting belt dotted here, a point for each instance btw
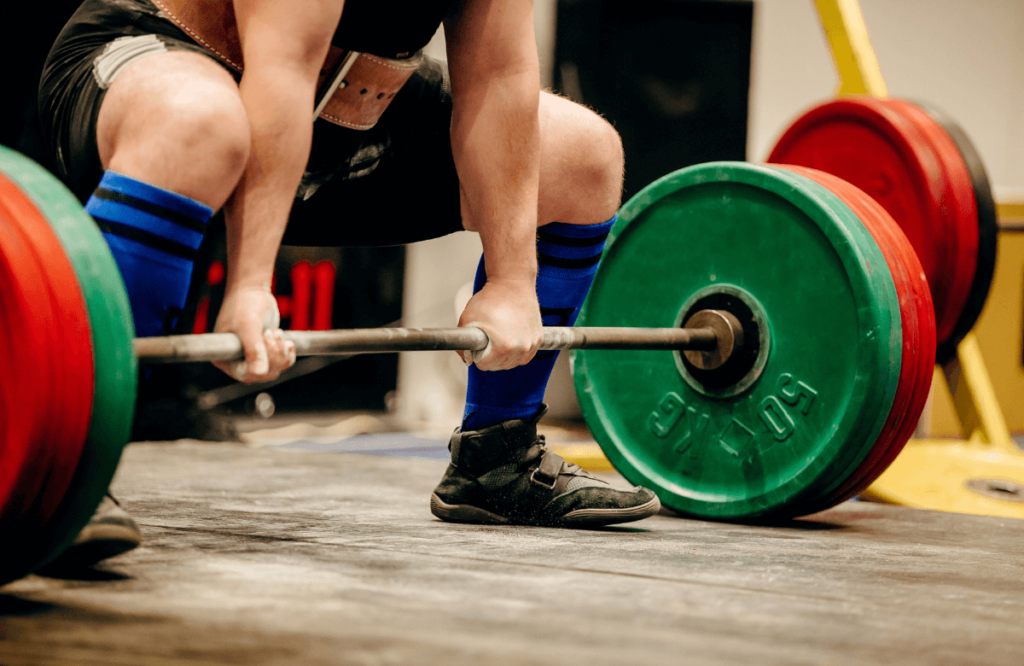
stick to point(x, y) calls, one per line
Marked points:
point(366, 91)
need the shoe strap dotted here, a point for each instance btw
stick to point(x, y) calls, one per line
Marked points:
point(545, 476)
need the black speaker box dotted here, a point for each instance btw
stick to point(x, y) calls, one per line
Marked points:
point(673, 76)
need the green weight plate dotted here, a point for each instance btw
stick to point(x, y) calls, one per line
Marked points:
point(817, 301)
point(112, 331)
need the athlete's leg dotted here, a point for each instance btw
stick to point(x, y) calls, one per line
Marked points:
point(175, 120)
point(580, 190)
point(166, 121)
point(501, 471)
point(581, 164)
point(173, 138)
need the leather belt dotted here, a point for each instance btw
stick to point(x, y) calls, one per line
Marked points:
point(354, 89)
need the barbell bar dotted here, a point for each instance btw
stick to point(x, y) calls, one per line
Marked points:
point(228, 347)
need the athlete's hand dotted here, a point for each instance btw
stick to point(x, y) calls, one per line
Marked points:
point(507, 311)
point(251, 314)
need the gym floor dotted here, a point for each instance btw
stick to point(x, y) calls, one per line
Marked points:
point(298, 549)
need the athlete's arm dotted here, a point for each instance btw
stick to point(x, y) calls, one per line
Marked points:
point(492, 58)
point(284, 46)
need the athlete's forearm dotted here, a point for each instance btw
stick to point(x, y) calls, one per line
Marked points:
point(496, 143)
point(495, 78)
point(284, 45)
point(280, 113)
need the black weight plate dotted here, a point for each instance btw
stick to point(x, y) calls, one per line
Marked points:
point(988, 233)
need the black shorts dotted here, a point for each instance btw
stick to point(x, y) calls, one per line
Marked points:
point(390, 185)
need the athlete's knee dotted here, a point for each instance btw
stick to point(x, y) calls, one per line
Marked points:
point(602, 168)
point(197, 149)
point(216, 131)
point(595, 171)
point(176, 117)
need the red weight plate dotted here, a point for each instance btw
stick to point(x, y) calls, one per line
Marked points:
point(926, 350)
point(28, 384)
point(65, 330)
point(883, 226)
point(24, 390)
point(21, 407)
point(871, 145)
point(926, 360)
point(959, 206)
point(896, 259)
point(45, 449)
point(71, 355)
point(69, 348)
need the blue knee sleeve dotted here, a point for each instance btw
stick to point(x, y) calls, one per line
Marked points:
point(154, 236)
point(567, 258)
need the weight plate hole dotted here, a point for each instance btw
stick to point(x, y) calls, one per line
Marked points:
point(741, 370)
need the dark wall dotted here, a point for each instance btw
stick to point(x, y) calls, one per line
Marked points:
point(367, 293)
point(31, 28)
point(673, 76)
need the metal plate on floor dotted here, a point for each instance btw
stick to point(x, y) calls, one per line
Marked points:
point(814, 294)
point(956, 476)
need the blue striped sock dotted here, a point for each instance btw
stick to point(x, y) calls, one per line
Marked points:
point(154, 235)
point(567, 258)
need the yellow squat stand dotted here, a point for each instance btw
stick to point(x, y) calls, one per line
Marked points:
point(983, 473)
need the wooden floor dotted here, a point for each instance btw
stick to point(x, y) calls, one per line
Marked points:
point(285, 556)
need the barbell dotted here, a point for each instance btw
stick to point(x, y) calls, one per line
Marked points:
point(719, 337)
point(773, 331)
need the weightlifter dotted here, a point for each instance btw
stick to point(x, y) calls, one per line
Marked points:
point(161, 112)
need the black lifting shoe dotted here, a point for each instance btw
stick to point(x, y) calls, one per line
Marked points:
point(504, 474)
point(110, 532)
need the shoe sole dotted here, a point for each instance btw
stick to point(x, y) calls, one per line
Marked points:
point(464, 513)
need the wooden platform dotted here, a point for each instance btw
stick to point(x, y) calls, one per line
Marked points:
point(265, 556)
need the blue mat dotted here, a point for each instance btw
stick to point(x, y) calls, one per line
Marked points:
point(385, 444)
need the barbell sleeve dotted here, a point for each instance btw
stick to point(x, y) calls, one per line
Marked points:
point(227, 346)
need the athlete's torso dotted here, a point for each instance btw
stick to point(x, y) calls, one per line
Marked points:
point(371, 49)
point(389, 27)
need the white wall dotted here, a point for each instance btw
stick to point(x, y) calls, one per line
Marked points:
point(965, 56)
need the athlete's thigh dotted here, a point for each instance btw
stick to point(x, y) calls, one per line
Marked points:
point(157, 97)
point(580, 164)
point(102, 39)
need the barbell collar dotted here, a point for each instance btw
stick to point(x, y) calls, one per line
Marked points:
point(227, 346)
